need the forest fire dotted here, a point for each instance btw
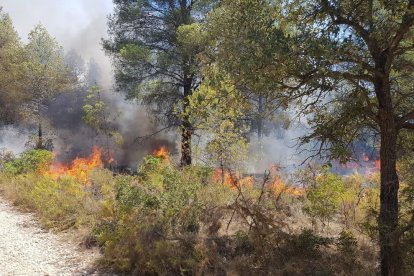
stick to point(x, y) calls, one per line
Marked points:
point(276, 186)
point(248, 137)
point(377, 164)
point(162, 153)
point(366, 164)
point(79, 167)
point(111, 160)
point(279, 187)
point(231, 180)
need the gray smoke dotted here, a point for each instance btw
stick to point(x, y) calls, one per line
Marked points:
point(13, 138)
point(79, 26)
point(72, 137)
point(76, 24)
point(278, 148)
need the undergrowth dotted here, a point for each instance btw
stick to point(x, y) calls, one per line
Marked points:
point(182, 221)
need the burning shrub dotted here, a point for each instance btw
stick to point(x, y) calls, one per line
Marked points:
point(58, 196)
point(79, 168)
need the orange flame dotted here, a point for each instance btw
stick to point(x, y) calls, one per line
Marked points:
point(377, 164)
point(231, 180)
point(279, 187)
point(276, 187)
point(79, 168)
point(225, 177)
point(162, 153)
point(110, 159)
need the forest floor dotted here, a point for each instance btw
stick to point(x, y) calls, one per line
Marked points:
point(28, 249)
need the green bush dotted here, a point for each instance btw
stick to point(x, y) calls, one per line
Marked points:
point(325, 196)
point(29, 161)
point(60, 203)
point(156, 219)
point(243, 243)
point(347, 243)
point(309, 243)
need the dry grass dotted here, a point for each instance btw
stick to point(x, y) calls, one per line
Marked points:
point(171, 221)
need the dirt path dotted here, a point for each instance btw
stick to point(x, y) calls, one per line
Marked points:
point(26, 249)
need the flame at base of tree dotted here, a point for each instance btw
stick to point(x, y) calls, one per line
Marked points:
point(111, 160)
point(79, 167)
point(224, 177)
point(377, 164)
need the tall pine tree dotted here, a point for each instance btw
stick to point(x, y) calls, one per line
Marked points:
point(154, 46)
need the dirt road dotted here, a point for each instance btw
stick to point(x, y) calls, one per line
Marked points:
point(27, 249)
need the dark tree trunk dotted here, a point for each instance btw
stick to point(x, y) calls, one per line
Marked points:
point(260, 119)
point(39, 144)
point(186, 134)
point(391, 261)
point(186, 128)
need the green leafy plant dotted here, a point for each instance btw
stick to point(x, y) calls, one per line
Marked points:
point(325, 196)
point(309, 243)
point(30, 161)
point(347, 243)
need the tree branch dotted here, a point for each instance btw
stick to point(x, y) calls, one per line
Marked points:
point(141, 138)
point(406, 118)
point(406, 23)
point(339, 19)
point(409, 126)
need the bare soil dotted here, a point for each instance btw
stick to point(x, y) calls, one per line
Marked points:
point(27, 249)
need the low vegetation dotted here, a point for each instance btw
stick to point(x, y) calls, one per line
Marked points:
point(188, 221)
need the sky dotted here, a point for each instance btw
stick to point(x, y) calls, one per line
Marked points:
point(76, 24)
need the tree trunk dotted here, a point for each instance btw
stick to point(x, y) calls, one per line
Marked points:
point(391, 262)
point(39, 144)
point(186, 128)
point(186, 134)
point(260, 119)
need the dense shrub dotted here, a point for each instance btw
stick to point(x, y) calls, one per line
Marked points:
point(325, 196)
point(347, 243)
point(309, 243)
point(156, 220)
point(29, 161)
point(60, 203)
